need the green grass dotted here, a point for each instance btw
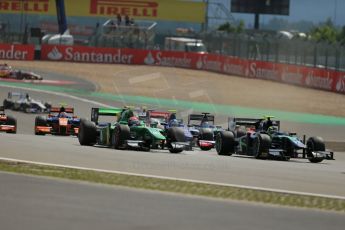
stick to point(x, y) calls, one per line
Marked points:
point(177, 186)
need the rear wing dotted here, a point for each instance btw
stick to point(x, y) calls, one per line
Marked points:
point(15, 94)
point(247, 122)
point(57, 110)
point(200, 117)
point(156, 114)
point(96, 112)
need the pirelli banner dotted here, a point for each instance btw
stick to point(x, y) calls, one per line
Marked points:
point(169, 10)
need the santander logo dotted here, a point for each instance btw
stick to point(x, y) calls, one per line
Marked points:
point(340, 87)
point(166, 59)
point(149, 60)
point(321, 82)
point(55, 54)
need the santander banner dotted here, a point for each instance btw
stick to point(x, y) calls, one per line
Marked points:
point(292, 74)
point(17, 52)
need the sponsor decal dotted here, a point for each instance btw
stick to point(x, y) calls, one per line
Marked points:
point(124, 7)
point(234, 69)
point(292, 78)
point(340, 87)
point(36, 6)
point(89, 55)
point(166, 59)
point(263, 73)
point(204, 63)
point(16, 52)
point(149, 60)
point(320, 82)
point(55, 54)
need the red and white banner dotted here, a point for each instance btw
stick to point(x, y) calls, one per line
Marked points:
point(17, 52)
point(292, 74)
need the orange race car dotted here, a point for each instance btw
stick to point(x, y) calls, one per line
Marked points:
point(60, 121)
point(8, 123)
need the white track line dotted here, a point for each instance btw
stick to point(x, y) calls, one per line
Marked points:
point(59, 94)
point(178, 179)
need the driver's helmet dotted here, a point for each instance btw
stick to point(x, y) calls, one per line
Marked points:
point(174, 123)
point(272, 129)
point(133, 121)
point(154, 121)
point(172, 117)
point(205, 124)
point(62, 112)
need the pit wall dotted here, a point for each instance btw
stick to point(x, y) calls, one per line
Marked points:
point(310, 77)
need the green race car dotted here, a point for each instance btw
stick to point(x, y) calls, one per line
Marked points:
point(125, 132)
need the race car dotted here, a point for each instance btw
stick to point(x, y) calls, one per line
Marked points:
point(8, 72)
point(23, 102)
point(126, 131)
point(5, 70)
point(168, 121)
point(263, 139)
point(8, 123)
point(60, 121)
point(204, 131)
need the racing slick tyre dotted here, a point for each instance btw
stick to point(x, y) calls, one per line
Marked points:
point(174, 134)
point(315, 144)
point(40, 121)
point(120, 135)
point(261, 145)
point(12, 121)
point(241, 131)
point(205, 135)
point(87, 132)
point(7, 104)
point(225, 143)
point(25, 108)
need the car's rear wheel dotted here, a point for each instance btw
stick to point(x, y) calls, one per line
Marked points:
point(7, 104)
point(12, 121)
point(205, 135)
point(87, 133)
point(40, 121)
point(174, 134)
point(225, 143)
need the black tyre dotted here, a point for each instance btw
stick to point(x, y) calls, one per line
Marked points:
point(120, 135)
point(12, 121)
point(174, 134)
point(25, 108)
point(241, 131)
point(87, 133)
point(40, 121)
point(206, 135)
point(7, 104)
point(225, 143)
point(315, 144)
point(261, 144)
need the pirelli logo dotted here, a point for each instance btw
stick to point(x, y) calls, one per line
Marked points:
point(124, 7)
point(27, 5)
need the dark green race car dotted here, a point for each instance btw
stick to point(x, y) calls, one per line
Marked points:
point(125, 132)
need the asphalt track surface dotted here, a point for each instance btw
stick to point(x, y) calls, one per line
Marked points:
point(40, 203)
point(296, 175)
